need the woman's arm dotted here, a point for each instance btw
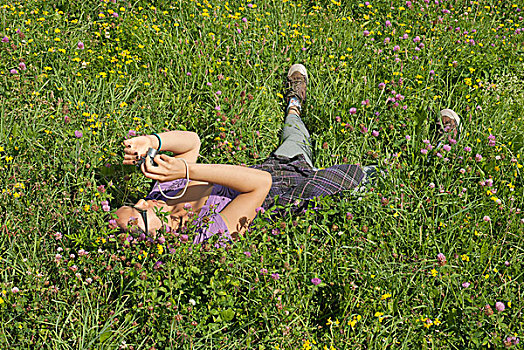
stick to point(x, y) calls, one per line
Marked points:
point(184, 144)
point(253, 185)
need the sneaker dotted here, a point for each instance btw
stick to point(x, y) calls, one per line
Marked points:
point(296, 84)
point(449, 125)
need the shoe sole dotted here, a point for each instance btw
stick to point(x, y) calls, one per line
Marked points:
point(453, 115)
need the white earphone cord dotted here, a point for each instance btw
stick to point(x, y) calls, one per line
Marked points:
point(185, 188)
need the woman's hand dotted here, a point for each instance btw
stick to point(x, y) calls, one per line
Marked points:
point(167, 169)
point(137, 147)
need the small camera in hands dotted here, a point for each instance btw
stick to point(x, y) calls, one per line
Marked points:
point(151, 153)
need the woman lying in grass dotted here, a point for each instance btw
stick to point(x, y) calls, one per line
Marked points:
point(226, 198)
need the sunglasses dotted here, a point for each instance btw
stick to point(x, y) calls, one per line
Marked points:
point(143, 214)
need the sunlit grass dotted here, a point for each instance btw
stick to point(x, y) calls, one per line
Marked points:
point(355, 271)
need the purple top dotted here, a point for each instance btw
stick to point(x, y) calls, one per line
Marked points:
point(209, 221)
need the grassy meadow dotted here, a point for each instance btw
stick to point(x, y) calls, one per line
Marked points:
point(430, 256)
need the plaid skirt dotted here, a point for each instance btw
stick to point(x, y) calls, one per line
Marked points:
point(294, 179)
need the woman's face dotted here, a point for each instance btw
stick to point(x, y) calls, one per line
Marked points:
point(150, 207)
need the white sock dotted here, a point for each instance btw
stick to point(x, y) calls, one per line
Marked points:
point(294, 102)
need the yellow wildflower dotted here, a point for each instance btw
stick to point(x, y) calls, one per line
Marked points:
point(385, 296)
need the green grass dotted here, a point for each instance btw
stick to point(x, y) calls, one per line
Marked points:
point(148, 69)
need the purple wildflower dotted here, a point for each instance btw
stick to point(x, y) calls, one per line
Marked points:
point(113, 224)
point(78, 134)
point(316, 281)
point(441, 259)
point(500, 306)
point(158, 265)
point(512, 340)
point(492, 140)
